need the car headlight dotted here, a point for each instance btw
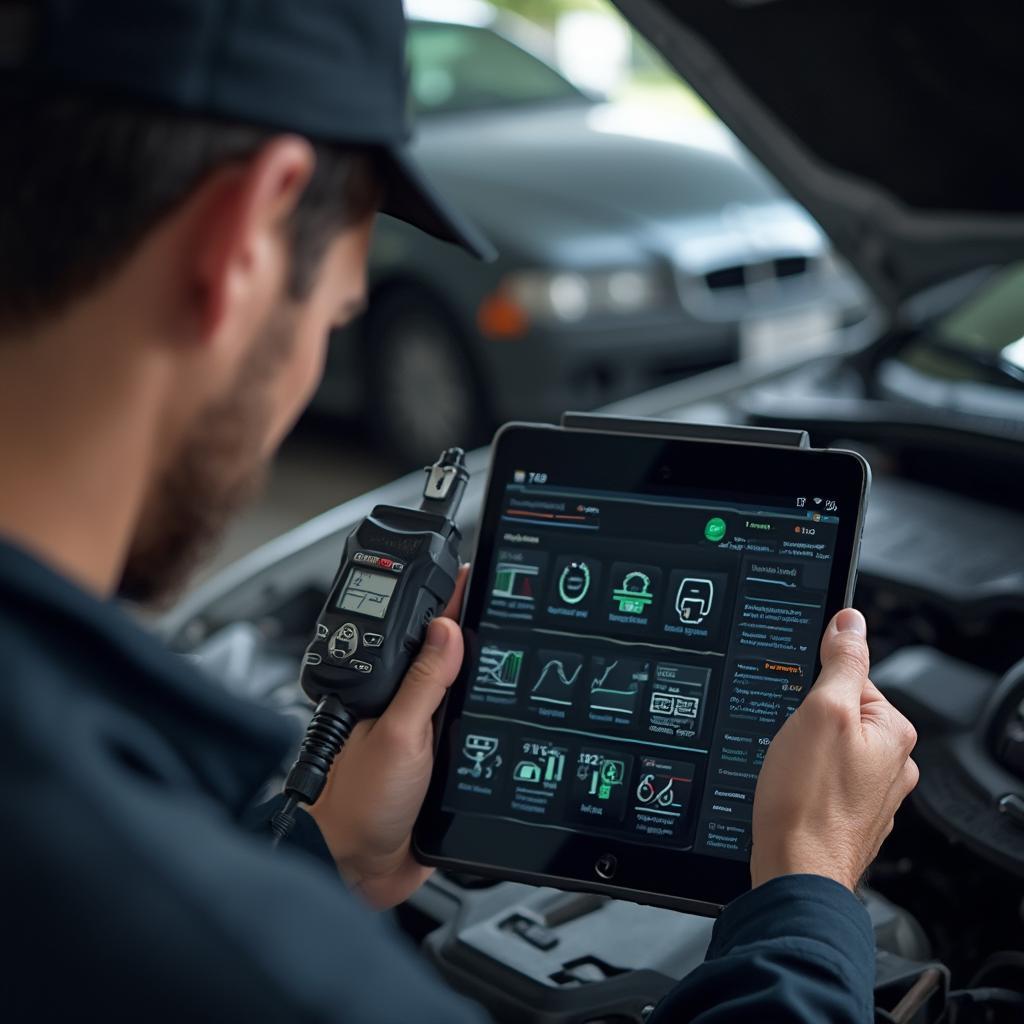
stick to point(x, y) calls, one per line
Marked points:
point(569, 296)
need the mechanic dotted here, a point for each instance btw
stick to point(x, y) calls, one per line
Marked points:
point(189, 188)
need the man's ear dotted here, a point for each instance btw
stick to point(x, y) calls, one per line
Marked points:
point(240, 244)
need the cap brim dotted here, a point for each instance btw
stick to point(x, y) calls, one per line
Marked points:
point(410, 197)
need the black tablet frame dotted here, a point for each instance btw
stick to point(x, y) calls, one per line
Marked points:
point(501, 848)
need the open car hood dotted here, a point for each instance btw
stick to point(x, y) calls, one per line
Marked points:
point(895, 122)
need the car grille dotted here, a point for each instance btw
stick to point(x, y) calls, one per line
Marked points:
point(756, 273)
point(733, 292)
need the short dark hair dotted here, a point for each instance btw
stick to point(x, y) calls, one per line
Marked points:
point(83, 180)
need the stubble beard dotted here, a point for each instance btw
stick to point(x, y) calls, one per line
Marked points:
point(220, 469)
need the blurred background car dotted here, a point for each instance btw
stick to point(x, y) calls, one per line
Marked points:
point(636, 245)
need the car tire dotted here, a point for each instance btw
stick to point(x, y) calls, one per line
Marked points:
point(423, 393)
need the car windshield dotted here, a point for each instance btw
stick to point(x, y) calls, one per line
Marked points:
point(457, 68)
point(982, 340)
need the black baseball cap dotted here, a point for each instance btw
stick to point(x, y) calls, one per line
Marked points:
point(332, 70)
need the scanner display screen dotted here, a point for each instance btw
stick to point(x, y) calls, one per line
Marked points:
point(367, 593)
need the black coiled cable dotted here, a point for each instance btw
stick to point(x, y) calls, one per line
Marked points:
point(326, 734)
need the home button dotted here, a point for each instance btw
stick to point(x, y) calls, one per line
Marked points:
point(606, 865)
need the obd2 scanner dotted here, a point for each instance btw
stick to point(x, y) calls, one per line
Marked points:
point(397, 573)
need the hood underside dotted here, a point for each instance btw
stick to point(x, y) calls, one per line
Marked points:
point(895, 122)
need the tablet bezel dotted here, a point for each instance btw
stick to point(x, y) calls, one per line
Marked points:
point(501, 848)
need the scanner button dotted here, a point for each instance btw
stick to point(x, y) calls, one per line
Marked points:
point(606, 866)
point(372, 639)
point(365, 667)
point(344, 643)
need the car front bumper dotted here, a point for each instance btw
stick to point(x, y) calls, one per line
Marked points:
point(550, 370)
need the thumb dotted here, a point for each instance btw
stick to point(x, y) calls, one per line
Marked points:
point(428, 678)
point(845, 661)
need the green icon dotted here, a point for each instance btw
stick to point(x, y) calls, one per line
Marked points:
point(610, 774)
point(554, 767)
point(498, 671)
point(634, 595)
point(527, 771)
point(549, 768)
point(714, 529)
point(509, 672)
point(574, 582)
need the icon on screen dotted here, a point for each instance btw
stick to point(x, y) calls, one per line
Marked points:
point(694, 600)
point(527, 771)
point(482, 754)
point(574, 582)
point(675, 705)
point(615, 683)
point(498, 671)
point(558, 673)
point(715, 529)
point(664, 787)
point(548, 767)
point(602, 777)
point(634, 593)
point(516, 580)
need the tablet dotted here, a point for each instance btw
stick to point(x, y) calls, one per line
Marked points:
point(643, 615)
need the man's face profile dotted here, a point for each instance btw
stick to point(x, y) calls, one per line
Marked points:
point(223, 462)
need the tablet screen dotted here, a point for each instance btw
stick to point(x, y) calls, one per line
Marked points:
point(633, 653)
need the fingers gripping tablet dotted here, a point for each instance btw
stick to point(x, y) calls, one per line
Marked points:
point(644, 614)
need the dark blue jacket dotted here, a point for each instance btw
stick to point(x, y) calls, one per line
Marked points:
point(132, 892)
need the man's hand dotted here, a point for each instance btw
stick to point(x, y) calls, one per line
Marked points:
point(836, 772)
point(375, 789)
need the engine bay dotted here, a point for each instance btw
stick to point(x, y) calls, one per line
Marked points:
point(942, 586)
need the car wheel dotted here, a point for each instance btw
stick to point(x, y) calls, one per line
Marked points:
point(423, 393)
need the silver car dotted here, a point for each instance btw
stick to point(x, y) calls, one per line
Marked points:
point(633, 252)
